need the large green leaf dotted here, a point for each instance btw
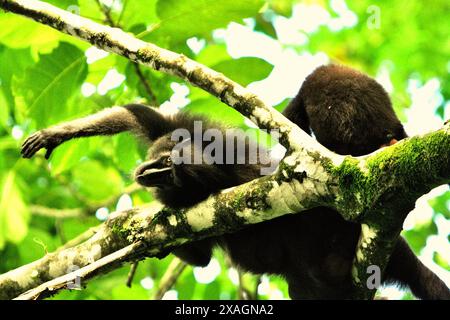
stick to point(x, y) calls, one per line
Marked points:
point(417, 237)
point(213, 54)
point(68, 155)
point(182, 19)
point(4, 109)
point(441, 203)
point(64, 4)
point(47, 86)
point(126, 154)
point(36, 244)
point(22, 59)
point(216, 110)
point(138, 12)
point(20, 32)
point(244, 70)
point(14, 213)
point(159, 83)
point(96, 181)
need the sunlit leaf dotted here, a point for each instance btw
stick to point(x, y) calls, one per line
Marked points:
point(20, 32)
point(22, 59)
point(102, 185)
point(244, 70)
point(215, 110)
point(47, 86)
point(14, 212)
point(126, 153)
point(182, 19)
point(68, 155)
point(138, 12)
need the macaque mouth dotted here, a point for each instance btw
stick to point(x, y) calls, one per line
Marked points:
point(149, 176)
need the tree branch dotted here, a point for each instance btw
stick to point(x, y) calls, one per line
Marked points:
point(110, 21)
point(359, 188)
point(73, 279)
point(117, 41)
point(169, 278)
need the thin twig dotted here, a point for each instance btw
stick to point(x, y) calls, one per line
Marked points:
point(43, 211)
point(146, 85)
point(255, 292)
point(109, 20)
point(132, 273)
point(74, 279)
point(80, 238)
point(107, 12)
point(59, 230)
point(169, 278)
point(243, 292)
point(80, 212)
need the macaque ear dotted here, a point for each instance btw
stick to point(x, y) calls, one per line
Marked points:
point(390, 143)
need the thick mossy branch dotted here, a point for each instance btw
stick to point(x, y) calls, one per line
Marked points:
point(381, 189)
point(60, 262)
point(302, 181)
point(392, 177)
point(161, 229)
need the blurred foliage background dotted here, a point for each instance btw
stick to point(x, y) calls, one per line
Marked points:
point(270, 46)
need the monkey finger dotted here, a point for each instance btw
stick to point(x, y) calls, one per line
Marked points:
point(33, 148)
point(30, 140)
point(48, 152)
point(27, 143)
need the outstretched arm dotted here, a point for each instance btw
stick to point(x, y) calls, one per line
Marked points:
point(138, 118)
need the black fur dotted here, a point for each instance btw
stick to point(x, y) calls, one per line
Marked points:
point(347, 111)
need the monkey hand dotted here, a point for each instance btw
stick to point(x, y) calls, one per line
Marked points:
point(47, 138)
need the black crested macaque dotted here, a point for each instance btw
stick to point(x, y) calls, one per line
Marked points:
point(347, 111)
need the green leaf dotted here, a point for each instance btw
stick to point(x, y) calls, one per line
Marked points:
point(216, 110)
point(4, 110)
point(417, 237)
point(182, 19)
point(126, 153)
point(186, 285)
point(213, 290)
point(47, 86)
point(14, 214)
point(440, 260)
point(158, 83)
point(244, 70)
point(36, 244)
point(282, 105)
point(91, 9)
point(138, 12)
point(64, 4)
point(440, 204)
point(22, 59)
point(283, 7)
point(96, 181)
point(99, 68)
point(20, 32)
point(122, 292)
point(68, 155)
point(213, 54)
